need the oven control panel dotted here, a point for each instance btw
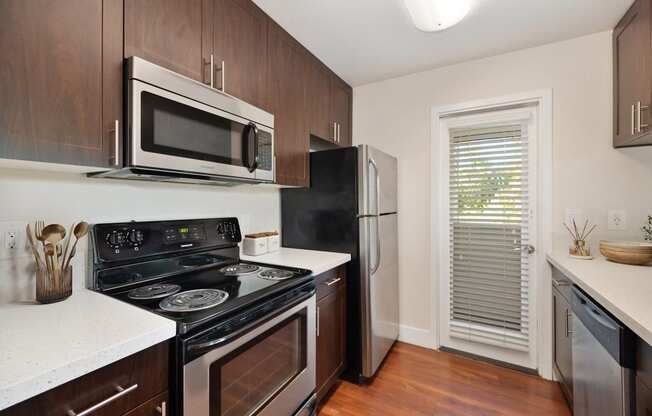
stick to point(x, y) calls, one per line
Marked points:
point(127, 241)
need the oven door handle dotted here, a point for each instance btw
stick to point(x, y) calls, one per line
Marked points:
point(210, 345)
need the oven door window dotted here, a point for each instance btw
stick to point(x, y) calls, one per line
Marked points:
point(171, 128)
point(245, 380)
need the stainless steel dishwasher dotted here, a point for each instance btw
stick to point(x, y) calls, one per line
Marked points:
point(603, 361)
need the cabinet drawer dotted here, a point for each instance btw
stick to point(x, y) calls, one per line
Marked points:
point(328, 282)
point(147, 370)
point(562, 283)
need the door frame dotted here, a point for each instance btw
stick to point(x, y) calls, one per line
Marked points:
point(438, 209)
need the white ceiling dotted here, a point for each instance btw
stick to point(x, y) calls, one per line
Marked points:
point(370, 40)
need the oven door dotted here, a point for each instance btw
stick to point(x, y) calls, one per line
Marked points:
point(268, 370)
point(168, 131)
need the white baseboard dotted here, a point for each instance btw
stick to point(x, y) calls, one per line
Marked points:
point(416, 336)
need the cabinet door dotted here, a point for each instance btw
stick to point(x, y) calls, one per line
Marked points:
point(341, 96)
point(51, 81)
point(240, 41)
point(632, 47)
point(562, 351)
point(330, 340)
point(171, 33)
point(287, 72)
point(319, 93)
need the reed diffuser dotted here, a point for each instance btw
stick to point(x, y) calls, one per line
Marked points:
point(53, 251)
point(579, 247)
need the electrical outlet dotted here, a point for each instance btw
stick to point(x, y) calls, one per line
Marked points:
point(13, 240)
point(616, 220)
point(10, 240)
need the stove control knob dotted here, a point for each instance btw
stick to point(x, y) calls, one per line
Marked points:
point(136, 237)
point(220, 228)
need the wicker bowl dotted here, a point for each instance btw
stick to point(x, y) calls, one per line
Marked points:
point(627, 252)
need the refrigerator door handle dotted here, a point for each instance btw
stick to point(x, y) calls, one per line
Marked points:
point(372, 270)
point(377, 265)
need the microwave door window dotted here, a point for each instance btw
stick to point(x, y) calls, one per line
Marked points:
point(175, 129)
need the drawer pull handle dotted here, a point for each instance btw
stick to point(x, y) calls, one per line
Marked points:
point(120, 391)
point(332, 282)
point(560, 283)
point(162, 409)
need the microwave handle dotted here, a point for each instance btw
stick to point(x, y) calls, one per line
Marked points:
point(250, 147)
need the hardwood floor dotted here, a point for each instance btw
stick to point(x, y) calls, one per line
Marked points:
point(418, 381)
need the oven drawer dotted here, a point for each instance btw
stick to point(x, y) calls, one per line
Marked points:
point(147, 370)
point(329, 281)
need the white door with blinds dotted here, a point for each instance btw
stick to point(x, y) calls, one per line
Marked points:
point(488, 235)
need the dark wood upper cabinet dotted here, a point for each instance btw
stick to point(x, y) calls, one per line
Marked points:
point(319, 96)
point(240, 43)
point(58, 105)
point(173, 34)
point(287, 81)
point(632, 72)
point(330, 105)
point(341, 97)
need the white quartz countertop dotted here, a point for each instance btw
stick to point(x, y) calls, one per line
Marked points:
point(317, 261)
point(44, 346)
point(625, 291)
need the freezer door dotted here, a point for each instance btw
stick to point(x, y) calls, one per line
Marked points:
point(378, 182)
point(379, 289)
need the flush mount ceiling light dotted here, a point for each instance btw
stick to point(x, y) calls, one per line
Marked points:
point(435, 15)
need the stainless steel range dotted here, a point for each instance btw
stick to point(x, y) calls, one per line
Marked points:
point(245, 340)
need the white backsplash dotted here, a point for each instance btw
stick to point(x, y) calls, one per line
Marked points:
point(67, 197)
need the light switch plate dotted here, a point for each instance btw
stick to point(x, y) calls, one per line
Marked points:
point(616, 220)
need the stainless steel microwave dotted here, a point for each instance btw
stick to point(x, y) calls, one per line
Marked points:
point(180, 130)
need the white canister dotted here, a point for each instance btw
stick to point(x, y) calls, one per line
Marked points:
point(273, 242)
point(254, 245)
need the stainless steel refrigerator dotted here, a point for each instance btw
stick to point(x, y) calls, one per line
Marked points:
point(351, 206)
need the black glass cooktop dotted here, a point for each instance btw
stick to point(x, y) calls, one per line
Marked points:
point(197, 272)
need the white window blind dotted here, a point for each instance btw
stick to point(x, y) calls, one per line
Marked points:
point(488, 197)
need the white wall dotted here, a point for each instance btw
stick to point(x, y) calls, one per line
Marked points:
point(66, 197)
point(588, 173)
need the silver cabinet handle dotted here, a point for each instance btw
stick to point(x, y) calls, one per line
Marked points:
point(560, 283)
point(339, 132)
point(116, 143)
point(640, 107)
point(211, 67)
point(332, 282)
point(120, 392)
point(212, 71)
point(633, 122)
point(222, 69)
point(334, 132)
point(568, 331)
point(317, 319)
point(162, 409)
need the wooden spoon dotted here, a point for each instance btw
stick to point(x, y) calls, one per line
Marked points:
point(81, 229)
point(53, 234)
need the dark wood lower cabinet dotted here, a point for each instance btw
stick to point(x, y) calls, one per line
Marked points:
point(147, 370)
point(562, 332)
point(157, 406)
point(331, 329)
